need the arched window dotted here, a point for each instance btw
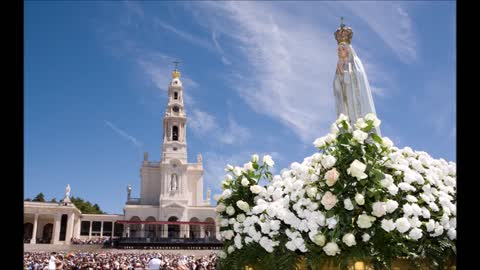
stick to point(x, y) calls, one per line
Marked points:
point(173, 229)
point(175, 133)
point(210, 230)
point(175, 95)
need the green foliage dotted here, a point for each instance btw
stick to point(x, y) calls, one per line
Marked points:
point(85, 206)
point(39, 198)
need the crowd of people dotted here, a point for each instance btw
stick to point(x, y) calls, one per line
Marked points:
point(90, 241)
point(116, 261)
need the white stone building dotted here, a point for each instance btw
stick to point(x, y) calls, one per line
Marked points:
point(171, 203)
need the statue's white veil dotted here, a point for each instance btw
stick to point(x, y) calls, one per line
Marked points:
point(365, 94)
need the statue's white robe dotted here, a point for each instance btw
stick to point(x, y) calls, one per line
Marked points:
point(354, 97)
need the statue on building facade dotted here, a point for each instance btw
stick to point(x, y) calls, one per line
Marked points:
point(67, 194)
point(174, 182)
point(129, 192)
point(199, 158)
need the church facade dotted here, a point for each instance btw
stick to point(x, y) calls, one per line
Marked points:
point(171, 202)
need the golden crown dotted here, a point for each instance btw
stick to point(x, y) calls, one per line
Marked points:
point(176, 74)
point(343, 34)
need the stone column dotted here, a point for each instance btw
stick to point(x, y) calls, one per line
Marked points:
point(202, 231)
point(56, 228)
point(217, 231)
point(76, 231)
point(101, 228)
point(90, 230)
point(34, 232)
point(165, 231)
point(142, 230)
point(70, 225)
point(113, 229)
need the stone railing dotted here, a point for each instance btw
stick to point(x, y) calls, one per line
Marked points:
point(133, 201)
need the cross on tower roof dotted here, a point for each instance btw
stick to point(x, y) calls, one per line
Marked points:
point(341, 22)
point(176, 64)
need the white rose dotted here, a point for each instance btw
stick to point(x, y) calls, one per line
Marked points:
point(230, 249)
point(243, 205)
point(237, 171)
point(329, 200)
point(319, 142)
point(267, 159)
point(360, 124)
point(331, 249)
point(379, 209)
point(359, 199)
point(348, 204)
point(365, 221)
point(349, 239)
point(256, 189)
point(228, 234)
point(342, 117)
point(241, 218)
point(312, 192)
point(248, 166)
point(334, 129)
point(230, 210)
point(217, 197)
point(319, 239)
point(387, 143)
point(357, 169)
point(222, 254)
point(332, 222)
point(226, 193)
point(415, 234)
point(365, 237)
point(223, 222)
point(229, 168)
point(254, 158)
point(360, 136)
point(391, 206)
point(452, 234)
point(332, 176)
point(245, 182)
point(330, 138)
point(328, 161)
point(388, 225)
point(430, 225)
point(220, 207)
point(372, 117)
point(402, 225)
point(393, 190)
point(386, 181)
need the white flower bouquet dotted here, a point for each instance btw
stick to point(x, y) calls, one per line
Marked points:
point(359, 198)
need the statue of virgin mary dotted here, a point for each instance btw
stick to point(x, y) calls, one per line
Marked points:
point(353, 96)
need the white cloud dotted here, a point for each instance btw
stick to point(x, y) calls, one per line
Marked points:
point(219, 48)
point(124, 134)
point(187, 36)
point(392, 23)
point(203, 123)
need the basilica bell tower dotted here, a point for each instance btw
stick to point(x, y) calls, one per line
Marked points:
point(174, 123)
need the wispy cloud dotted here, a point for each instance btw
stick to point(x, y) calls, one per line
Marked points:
point(185, 35)
point(288, 70)
point(125, 135)
point(392, 23)
point(219, 48)
point(203, 123)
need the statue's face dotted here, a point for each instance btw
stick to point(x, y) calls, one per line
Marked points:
point(342, 51)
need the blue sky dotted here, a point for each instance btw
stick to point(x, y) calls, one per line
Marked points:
point(257, 78)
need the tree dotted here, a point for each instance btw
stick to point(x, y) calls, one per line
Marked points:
point(53, 200)
point(39, 198)
point(85, 206)
point(28, 200)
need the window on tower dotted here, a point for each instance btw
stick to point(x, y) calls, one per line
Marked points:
point(175, 95)
point(175, 133)
point(175, 109)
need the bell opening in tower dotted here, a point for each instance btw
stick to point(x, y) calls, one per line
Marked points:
point(175, 133)
point(175, 95)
